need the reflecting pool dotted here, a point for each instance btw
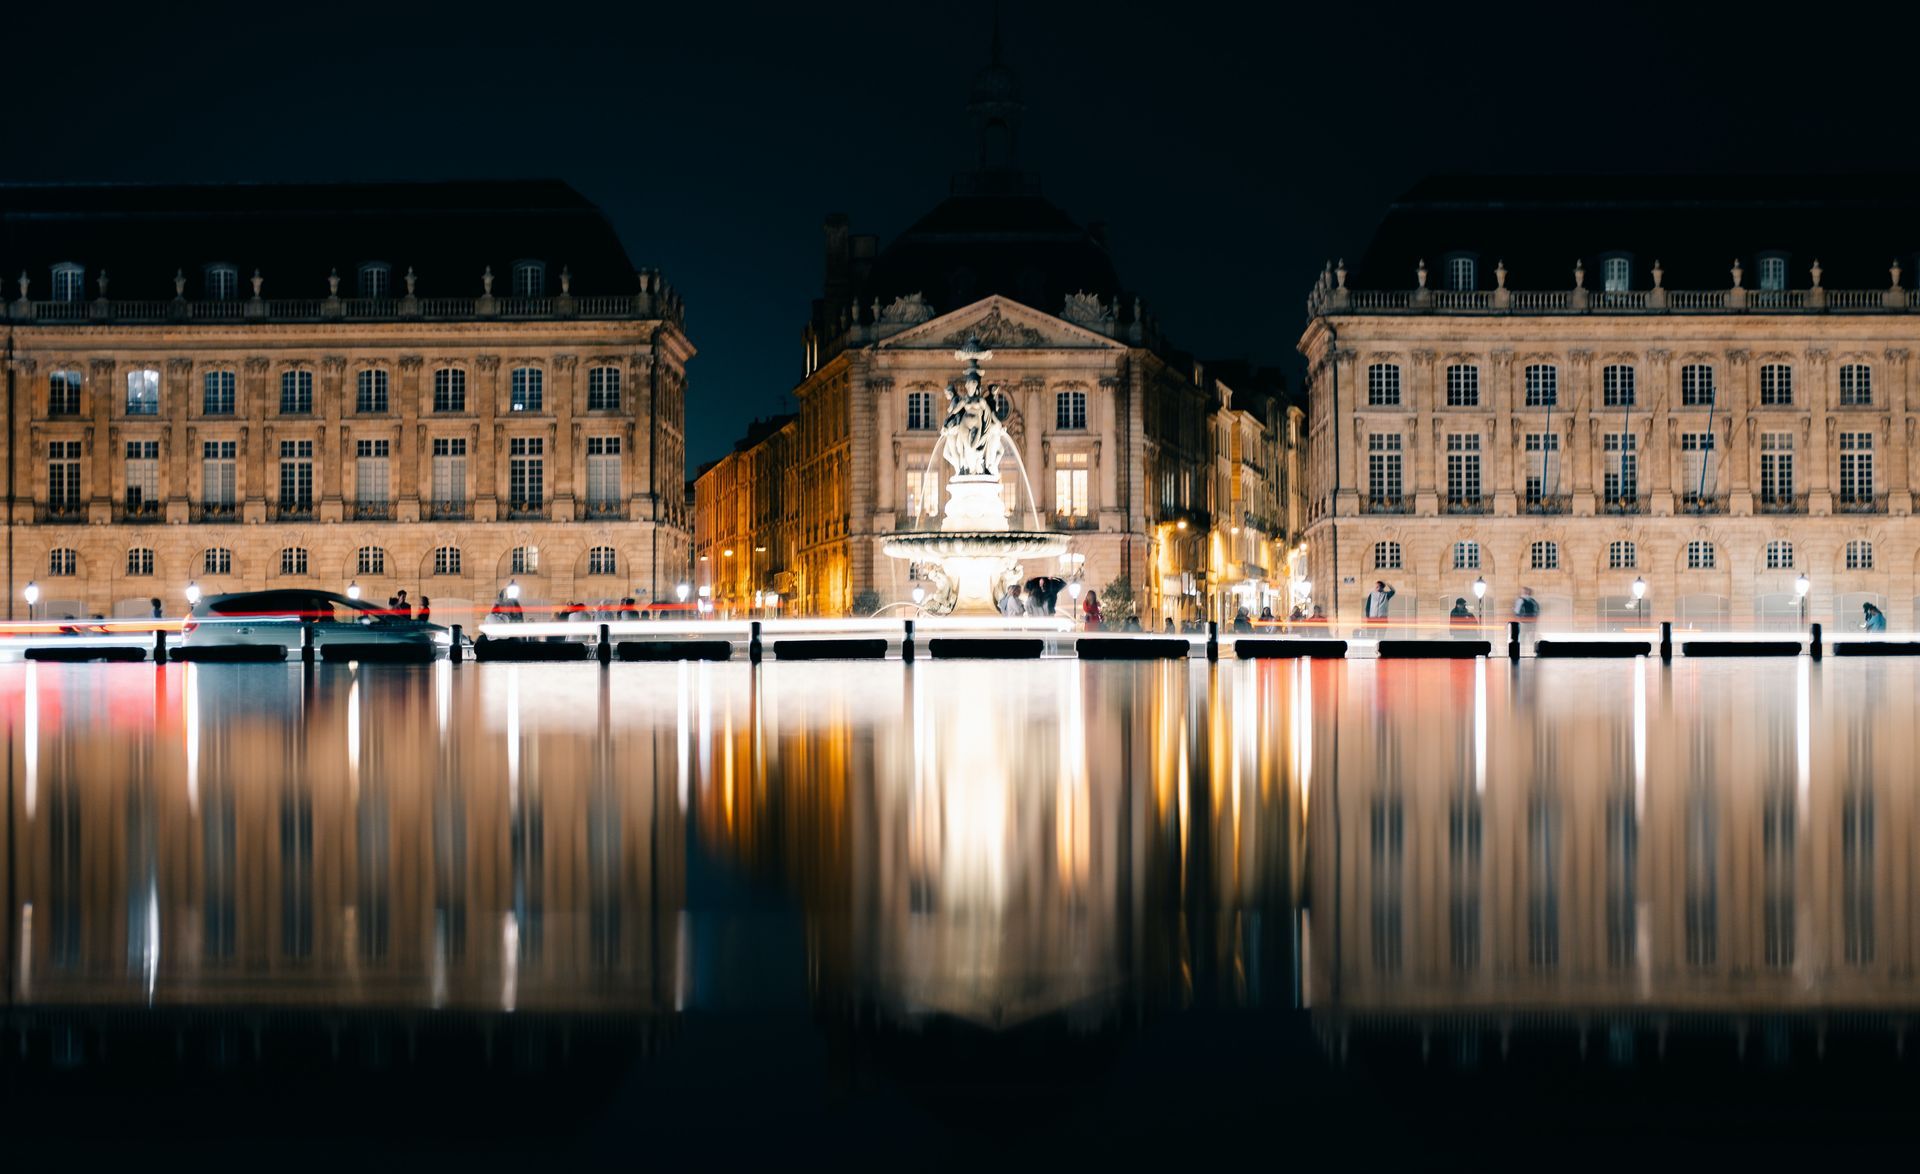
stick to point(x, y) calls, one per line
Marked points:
point(1426, 909)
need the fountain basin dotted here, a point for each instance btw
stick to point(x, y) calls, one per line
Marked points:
point(975, 561)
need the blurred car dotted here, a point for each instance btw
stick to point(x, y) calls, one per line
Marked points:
point(266, 618)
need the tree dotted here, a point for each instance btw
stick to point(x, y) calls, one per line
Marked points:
point(1116, 599)
point(866, 602)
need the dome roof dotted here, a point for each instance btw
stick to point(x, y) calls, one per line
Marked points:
point(1017, 245)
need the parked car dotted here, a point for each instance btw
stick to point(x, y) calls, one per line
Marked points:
point(257, 618)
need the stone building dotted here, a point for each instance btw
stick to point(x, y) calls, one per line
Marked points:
point(436, 387)
point(1576, 384)
point(744, 523)
point(1111, 427)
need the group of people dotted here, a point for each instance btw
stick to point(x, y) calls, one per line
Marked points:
point(509, 610)
point(399, 608)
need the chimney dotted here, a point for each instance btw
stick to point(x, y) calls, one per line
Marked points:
point(835, 230)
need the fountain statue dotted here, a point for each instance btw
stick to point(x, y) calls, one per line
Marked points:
point(975, 553)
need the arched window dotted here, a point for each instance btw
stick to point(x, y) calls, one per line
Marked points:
point(1616, 386)
point(372, 396)
point(1466, 556)
point(1856, 384)
point(601, 561)
point(372, 560)
point(919, 411)
point(1859, 555)
point(1779, 556)
point(1776, 385)
point(63, 393)
point(529, 279)
point(217, 393)
point(140, 561)
point(216, 560)
point(1386, 556)
point(1070, 411)
point(529, 389)
point(1699, 555)
point(376, 279)
point(1616, 274)
point(446, 560)
point(1546, 556)
point(1773, 271)
point(220, 283)
point(603, 389)
point(1543, 385)
point(1622, 556)
point(296, 393)
point(69, 282)
point(449, 390)
point(1383, 385)
point(143, 392)
point(1696, 385)
point(293, 560)
point(525, 560)
point(1462, 273)
point(63, 560)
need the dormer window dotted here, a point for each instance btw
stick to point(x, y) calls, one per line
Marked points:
point(69, 282)
point(1616, 273)
point(1462, 271)
point(1773, 271)
point(221, 282)
point(529, 279)
point(376, 279)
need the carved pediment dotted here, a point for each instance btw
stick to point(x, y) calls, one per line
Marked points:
point(999, 325)
point(997, 330)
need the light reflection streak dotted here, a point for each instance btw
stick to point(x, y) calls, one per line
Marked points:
point(192, 720)
point(1803, 736)
point(1640, 670)
point(1480, 725)
point(31, 740)
point(513, 737)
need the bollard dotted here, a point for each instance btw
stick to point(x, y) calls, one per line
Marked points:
point(453, 650)
point(605, 651)
point(906, 644)
point(1813, 645)
point(753, 642)
point(159, 646)
point(1213, 640)
point(1666, 640)
point(306, 643)
point(1513, 640)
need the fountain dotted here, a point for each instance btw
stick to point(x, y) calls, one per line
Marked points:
point(975, 553)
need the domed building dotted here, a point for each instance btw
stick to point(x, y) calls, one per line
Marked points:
point(1111, 430)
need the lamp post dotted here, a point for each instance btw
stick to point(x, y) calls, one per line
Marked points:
point(1480, 596)
point(353, 590)
point(193, 592)
point(1801, 586)
point(919, 596)
point(683, 590)
point(513, 591)
point(1639, 591)
point(32, 594)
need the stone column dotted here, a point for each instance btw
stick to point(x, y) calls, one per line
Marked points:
point(1579, 444)
point(486, 482)
point(1346, 499)
point(1897, 473)
point(1662, 450)
point(567, 467)
point(330, 455)
point(1506, 494)
point(1738, 464)
point(407, 463)
point(1812, 450)
point(1425, 455)
point(250, 466)
point(103, 381)
point(173, 449)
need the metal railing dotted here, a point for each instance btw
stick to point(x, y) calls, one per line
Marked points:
point(1545, 503)
point(1859, 503)
point(1780, 503)
point(526, 510)
point(1398, 503)
point(447, 511)
point(1624, 503)
point(61, 511)
point(138, 512)
point(216, 511)
point(370, 511)
point(293, 511)
point(1701, 503)
point(1461, 504)
point(597, 511)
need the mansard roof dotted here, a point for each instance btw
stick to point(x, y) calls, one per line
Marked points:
point(972, 245)
point(1695, 226)
point(294, 234)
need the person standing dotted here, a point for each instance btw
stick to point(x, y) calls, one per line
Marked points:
point(1873, 620)
point(1378, 601)
point(402, 608)
point(426, 610)
point(158, 611)
point(1010, 602)
point(1090, 611)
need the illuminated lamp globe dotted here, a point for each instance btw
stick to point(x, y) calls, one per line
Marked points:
point(513, 589)
point(1639, 589)
point(1073, 588)
point(31, 592)
point(919, 596)
point(683, 590)
point(193, 592)
point(353, 589)
point(1802, 585)
point(1480, 587)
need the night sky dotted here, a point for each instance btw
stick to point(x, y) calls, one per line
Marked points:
point(1230, 149)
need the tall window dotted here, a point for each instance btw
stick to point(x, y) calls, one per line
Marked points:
point(920, 411)
point(1622, 555)
point(1545, 556)
point(140, 561)
point(296, 476)
point(63, 393)
point(1856, 384)
point(1697, 464)
point(1466, 556)
point(376, 280)
point(1617, 274)
point(1776, 385)
point(1070, 411)
point(143, 477)
point(1856, 468)
point(293, 560)
point(528, 389)
point(1070, 490)
point(1383, 385)
point(1386, 556)
point(220, 283)
point(1696, 385)
point(526, 472)
point(1463, 386)
point(1773, 273)
point(603, 389)
point(218, 479)
point(601, 561)
point(216, 560)
point(372, 395)
point(449, 473)
point(1622, 475)
point(1383, 467)
point(1543, 465)
point(1779, 555)
point(1463, 469)
point(1460, 273)
point(1616, 386)
point(524, 560)
point(371, 560)
point(143, 392)
point(603, 472)
point(371, 474)
point(216, 393)
point(1776, 467)
point(1699, 555)
point(296, 393)
point(63, 477)
point(923, 491)
point(62, 560)
point(1542, 384)
point(529, 279)
point(449, 390)
point(1859, 555)
point(69, 282)
point(446, 560)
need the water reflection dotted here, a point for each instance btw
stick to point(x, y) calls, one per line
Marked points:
point(1393, 851)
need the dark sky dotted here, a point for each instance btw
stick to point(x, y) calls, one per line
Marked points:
point(1230, 147)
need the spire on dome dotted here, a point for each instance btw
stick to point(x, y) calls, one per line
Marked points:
point(996, 108)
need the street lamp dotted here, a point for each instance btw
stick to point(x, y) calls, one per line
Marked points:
point(683, 590)
point(32, 593)
point(919, 596)
point(193, 592)
point(513, 590)
point(1639, 590)
point(1801, 586)
point(353, 589)
point(1073, 589)
point(1480, 596)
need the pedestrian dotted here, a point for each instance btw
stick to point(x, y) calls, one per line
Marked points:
point(1266, 614)
point(426, 610)
point(1319, 615)
point(158, 612)
point(1242, 622)
point(1526, 608)
point(1132, 625)
point(1377, 602)
point(1873, 619)
point(1010, 602)
point(1170, 630)
point(1463, 620)
point(402, 606)
point(1090, 611)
